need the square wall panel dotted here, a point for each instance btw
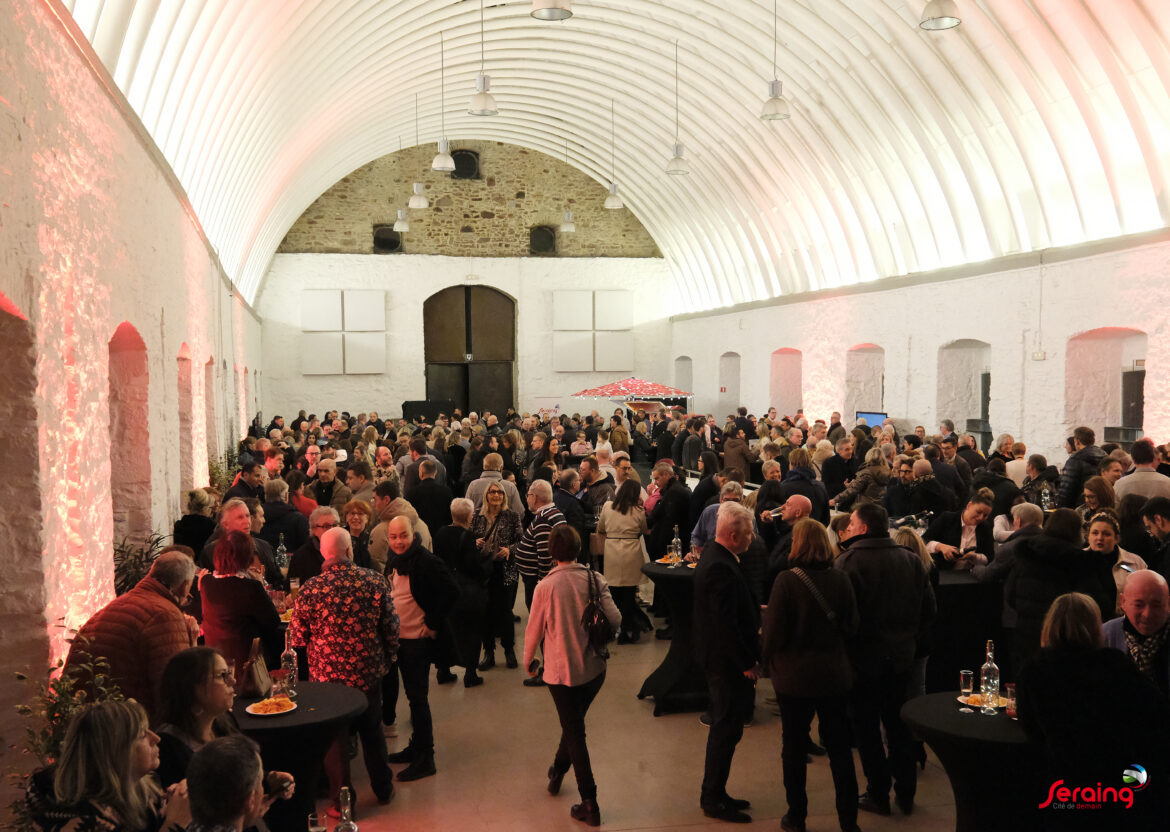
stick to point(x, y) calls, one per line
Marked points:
point(321, 310)
point(613, 351)
point(365, 353)
point(365, 310)
point(613, 310)
point(321, 353)
point(572, 351)
point(572, 310)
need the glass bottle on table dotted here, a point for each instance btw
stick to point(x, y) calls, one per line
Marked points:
point(288, 663)
point(282, 556)
point(346, 823)
point(676, 547)
point(989, 681)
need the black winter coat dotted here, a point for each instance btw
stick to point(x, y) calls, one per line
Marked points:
point(1077, 468)
point(282, 518)
point(1005, 491)
point(802, 481)
point(672, 509)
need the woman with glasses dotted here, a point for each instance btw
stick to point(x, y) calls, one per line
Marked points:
point(496, 530)
point(1097, 494)
point(358, 515)
point(236, 607)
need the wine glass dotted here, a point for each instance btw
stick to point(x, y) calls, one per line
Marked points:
point(966, 686)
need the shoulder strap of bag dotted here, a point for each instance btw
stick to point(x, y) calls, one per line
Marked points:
point(816, 593)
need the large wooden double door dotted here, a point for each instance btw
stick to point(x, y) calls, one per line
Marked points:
point(469, 335)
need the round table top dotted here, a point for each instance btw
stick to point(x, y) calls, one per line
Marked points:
point(653, 569)
point(318, 703)
point(938, 714)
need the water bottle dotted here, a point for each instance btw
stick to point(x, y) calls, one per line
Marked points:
point(288, 662)
point(282, 555)
point(676, 545)
point(346, 823)
point(989, 681)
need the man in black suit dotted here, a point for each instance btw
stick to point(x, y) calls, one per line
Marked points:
point(726, 628)
point(897, 607)
point(838, 470)
point(947, 475)
point(430, 499)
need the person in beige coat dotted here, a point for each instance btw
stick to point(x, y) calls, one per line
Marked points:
point(622, 523)
point(388, 504)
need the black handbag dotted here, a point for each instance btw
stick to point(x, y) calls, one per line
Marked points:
point(593, 619)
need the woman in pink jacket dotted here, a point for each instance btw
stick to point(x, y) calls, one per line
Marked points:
point(573, 670)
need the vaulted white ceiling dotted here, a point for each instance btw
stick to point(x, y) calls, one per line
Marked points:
point(1036, 123)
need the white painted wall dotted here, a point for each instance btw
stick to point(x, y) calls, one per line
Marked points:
point(408, 281)
point(94, 231)
point(1126, 288)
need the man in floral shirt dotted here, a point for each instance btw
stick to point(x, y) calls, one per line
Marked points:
point(345, 617)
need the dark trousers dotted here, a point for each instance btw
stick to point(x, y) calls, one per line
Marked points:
point(796, 713)
point(369, 727)
point(414, 663)
point(498, 618)
point(732, 698)
point(626, 599)
point(530, 582)
point(572, 704)
point(879, 693)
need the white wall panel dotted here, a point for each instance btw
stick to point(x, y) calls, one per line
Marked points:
point(321, 353)
point(321, 310)
point(572, 310)
point(365, 353)
point(572, 351)
point(613, 351)
point(613, 310)
point(365, 310)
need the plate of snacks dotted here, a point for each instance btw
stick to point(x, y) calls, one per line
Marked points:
point(975, 700)
point(273, 706)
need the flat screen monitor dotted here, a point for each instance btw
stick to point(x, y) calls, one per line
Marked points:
point(871, 417)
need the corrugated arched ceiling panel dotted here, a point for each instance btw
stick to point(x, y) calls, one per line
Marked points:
point(1036, 123)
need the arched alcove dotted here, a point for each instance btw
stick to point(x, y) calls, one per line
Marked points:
point(1104, 379)
point(865, 380)
point(186, 433)
point(209, 408)
point(129, 435)
point(786, 381)
point(964, 382)
point(684, 373)
point(469, 345)
point(22, 592)
point(728, 385)
point(238, 425)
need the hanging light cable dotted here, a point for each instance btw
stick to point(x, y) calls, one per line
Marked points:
point(776, 107)
point(567, 225)
point(483, 103)
point(613, 202)
point(677, 166)
point(418, 201)
point(443, 161)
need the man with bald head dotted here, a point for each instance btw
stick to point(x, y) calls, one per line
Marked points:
point(1142, 630)
point(424, 593)
point(927, 493)
point(345, 618)
point(327, 490)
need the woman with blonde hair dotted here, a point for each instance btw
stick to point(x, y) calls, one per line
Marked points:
point(811, 614)
point(101, 781)
point(197, 526)
point(823, 451)
point(868, 484)
point(623, 523)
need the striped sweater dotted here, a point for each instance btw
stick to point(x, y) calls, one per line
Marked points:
point(531, 552)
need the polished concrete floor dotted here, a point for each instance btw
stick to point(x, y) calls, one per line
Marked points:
point(494, 743)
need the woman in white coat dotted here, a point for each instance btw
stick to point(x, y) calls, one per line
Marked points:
point(623, 522)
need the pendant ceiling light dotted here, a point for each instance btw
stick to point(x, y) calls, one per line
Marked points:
point(776, 107)
point(552, 9)
point(402, 223)
point(443, 161)
point(419, 200)
point(483, 103)
point(613, 202)
point(939, 15)
point(677, 166)
point(567, 225)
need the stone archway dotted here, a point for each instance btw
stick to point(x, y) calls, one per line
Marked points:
point(1104, 380)
point(186, 432)
point(469, 342)
point(964, 382)
point(865, 380)
point(786, 381)
point(684, 373)
point(728, 401)
point(129, 435)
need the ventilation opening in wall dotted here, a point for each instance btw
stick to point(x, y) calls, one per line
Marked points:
point(466, 164)
point(386, 239)
point(542, 240)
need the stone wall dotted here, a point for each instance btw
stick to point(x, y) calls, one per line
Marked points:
point(94, 232)
point(1018, 311)
point(487, 217)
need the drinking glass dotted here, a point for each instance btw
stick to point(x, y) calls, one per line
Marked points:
point(966, 686)
point(317, 823)
point(1011, 699)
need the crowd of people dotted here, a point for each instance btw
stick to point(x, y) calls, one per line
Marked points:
point(818, 549)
